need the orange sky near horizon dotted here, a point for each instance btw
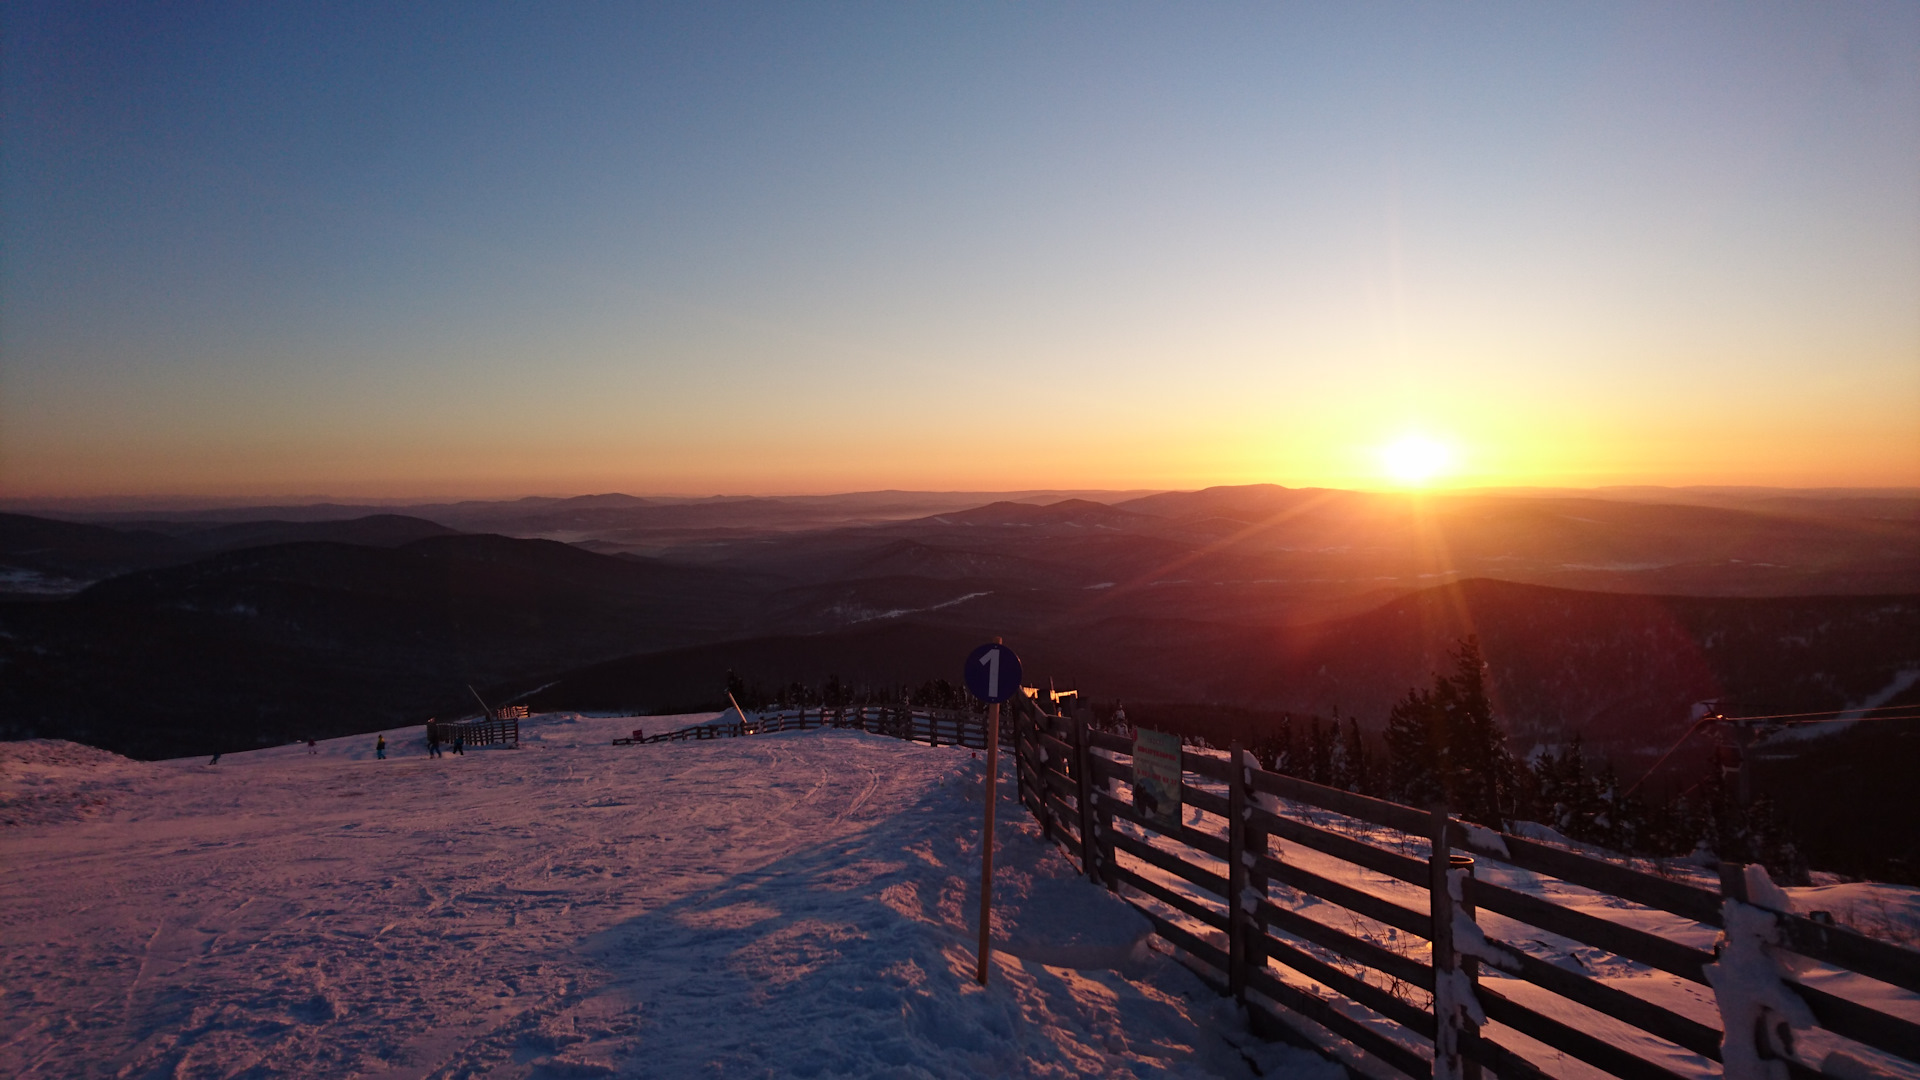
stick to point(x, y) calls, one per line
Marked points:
point(748, 248)
point(981, 455)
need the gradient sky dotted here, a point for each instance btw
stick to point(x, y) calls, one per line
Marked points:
point(409, 250)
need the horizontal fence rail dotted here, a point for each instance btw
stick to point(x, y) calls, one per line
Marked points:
point(1351, 925)
point(935, 727)
point(499, 730)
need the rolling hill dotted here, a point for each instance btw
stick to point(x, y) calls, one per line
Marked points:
point(1602, 616)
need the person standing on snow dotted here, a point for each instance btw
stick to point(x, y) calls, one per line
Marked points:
point(380, 749)
point(433, 740)
point(459, 742)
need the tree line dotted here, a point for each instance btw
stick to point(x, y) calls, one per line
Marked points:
point(836, 694)
point(1442, 744)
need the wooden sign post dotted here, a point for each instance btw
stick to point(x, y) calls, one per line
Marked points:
point(986, 840)
point(992, 673)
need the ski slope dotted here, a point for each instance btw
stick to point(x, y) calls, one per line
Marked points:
point(786, 905)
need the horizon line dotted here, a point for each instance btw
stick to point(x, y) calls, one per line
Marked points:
point(177, 502)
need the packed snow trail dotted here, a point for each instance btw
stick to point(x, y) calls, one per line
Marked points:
point(787, 905)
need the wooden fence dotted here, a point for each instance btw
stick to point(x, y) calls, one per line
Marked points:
point(1361, 986)
point(935, 727)
point(499, 730)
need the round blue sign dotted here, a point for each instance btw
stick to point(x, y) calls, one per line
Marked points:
point(992, 673)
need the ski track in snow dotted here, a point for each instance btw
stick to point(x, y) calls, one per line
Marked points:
point(784, 905)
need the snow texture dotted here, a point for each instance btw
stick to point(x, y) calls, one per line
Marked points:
point(1533, 830)
point(1758, 1010)
point(773, 906)
point(1485, 839)
point(1453, 994)
point(45, 781)
point(1845, 1066)
point(1470, 941)
point(1265, 801)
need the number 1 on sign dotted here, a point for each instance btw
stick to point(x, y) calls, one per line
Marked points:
point(992, 660)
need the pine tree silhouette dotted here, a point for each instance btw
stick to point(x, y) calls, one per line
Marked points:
point(1319, 752)
point(1353, 751)
point(1444, 745)
point(1416, 750)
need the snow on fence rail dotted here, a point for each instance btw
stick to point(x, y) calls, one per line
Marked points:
point(935, 727)
point(1355, 986)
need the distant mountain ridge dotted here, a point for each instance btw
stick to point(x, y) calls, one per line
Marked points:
point(1602, 616)
point(1075, 513)
point(277, 642)
point(1619, 670)
point(76, 553)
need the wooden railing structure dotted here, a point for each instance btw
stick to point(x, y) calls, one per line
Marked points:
point(935, 727)
point(500, 729)
point(1371, 1006)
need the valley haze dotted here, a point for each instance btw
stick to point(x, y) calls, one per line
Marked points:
point(1604, 615)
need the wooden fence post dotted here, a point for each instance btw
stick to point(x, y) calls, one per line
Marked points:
point(1759, 1062)
point(1453, 1028)
point(1083, 772)
point(1446, 1021)
point(1237, 915)
point(1109, 866)
point(1039, 762)
point(1469, 1068)
point(1255, 846)
point(1733, 881)
point(1019, 757)
point(986, 852)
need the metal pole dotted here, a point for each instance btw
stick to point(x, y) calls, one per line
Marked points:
point(1743, 743)
point(986, 840)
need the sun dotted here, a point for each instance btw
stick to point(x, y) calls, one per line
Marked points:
point(1415, 460)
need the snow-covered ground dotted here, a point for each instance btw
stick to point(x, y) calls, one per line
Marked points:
point(784, 905)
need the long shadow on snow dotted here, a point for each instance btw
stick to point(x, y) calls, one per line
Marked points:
point(856, 958)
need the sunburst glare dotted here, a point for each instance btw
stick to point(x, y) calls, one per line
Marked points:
point(1415, 460)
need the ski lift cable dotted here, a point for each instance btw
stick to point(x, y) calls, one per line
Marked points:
point(1822, 712)
point(1717, 718)
point(1688, 734)
point(1848, 720)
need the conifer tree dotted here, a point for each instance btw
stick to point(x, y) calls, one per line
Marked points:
point(1286, 758)
point(1444, 744)
point(1359, 768)
point(1479, 771)
point(1339, 762)
point(1586, 808)
point(1319, 752)
point(1415, 750)
point(1613, 824)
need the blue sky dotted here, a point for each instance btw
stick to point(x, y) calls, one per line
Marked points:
point(496, 249)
